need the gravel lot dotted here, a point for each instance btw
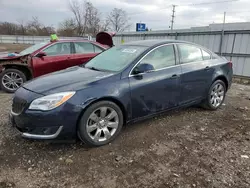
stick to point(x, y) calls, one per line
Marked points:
point(186, 148)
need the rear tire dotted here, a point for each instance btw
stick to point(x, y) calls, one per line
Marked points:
point(100, 124)
point(11, 80)
point(215, 96)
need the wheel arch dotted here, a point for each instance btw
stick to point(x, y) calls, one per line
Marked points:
point(222, 78)
point(111, 99)
point(22, 68)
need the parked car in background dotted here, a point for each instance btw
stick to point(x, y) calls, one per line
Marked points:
point(48, 57)
point(123, 84)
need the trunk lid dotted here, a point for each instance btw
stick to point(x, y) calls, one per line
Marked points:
point(105, 38)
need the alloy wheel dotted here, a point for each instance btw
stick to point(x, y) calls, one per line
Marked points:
point(12, 81)
point(217, 95)
point(102, 124)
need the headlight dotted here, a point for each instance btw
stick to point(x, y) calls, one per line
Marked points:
point(50, 102)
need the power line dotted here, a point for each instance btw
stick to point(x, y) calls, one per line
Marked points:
point(205, 3)
point(194, 4)
point(135, 13)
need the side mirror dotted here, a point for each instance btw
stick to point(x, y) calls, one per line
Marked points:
point(41, 54)
point(142, 68)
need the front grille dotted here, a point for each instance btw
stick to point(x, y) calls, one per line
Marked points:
point(18, 105)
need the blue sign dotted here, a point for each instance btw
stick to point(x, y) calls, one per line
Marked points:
point(140, 27)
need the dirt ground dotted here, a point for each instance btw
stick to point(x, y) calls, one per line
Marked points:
point(181, 149)
point(13, 47)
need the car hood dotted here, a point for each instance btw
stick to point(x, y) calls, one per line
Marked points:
point(71, 79)
point(7, 56)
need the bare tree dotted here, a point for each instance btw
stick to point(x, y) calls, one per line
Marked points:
point(67, 28)
point(78, 10)
point(35, 27)
point(22, 27)
point(7, 28)
point(86, 17)
point(105, 25)
point(92, 17)
point(118, 20)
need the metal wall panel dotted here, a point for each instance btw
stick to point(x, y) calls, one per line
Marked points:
point(246, 68)
point(238, 65)
point(228, 43)
point(244, 43)
point(235, 43)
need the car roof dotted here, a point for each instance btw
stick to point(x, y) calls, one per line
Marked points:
point(149, 43)
point(79, 40)
point(73, 40)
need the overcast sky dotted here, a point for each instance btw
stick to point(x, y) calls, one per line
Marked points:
point(155, 13)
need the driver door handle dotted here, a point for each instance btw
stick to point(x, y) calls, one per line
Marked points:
point(207, 68)
point(174, 76)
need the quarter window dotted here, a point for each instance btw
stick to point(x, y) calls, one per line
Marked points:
point(58, 49)
point(206, 55)
point(161, 57)
point(84, 48)
point(189, 53)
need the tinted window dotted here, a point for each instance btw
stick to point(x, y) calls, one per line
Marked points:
point(97, 49)
point(84, 48)
point(116, 58)
point(189, 53)
point(58, 49)
point(161, 57)
point(206, 55)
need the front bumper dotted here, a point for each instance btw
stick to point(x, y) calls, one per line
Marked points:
point(57, 124)
point(43, 137)
point(41, 133)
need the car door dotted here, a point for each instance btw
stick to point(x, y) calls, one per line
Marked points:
point(57, 58)
point(83, 52)
point(196, 73)
point(157, 90)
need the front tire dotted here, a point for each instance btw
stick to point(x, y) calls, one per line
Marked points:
point(216, 95)
point(100, 124)
point(11, 80)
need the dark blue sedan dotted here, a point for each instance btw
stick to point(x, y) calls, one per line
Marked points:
point(123, 84)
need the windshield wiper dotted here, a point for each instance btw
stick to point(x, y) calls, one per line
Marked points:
point(93, 68)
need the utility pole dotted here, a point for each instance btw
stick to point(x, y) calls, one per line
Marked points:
point(173, 16)
point(224, 20)
point(222, 32)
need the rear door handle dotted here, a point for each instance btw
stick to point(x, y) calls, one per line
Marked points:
point(174, 76)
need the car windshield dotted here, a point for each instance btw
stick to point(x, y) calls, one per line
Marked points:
point(116, 58)
point(33, 48)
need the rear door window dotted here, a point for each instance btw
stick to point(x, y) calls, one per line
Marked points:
point(189, 53)
point(84, 48)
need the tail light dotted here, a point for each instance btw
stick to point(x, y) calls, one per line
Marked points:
point(230, 63)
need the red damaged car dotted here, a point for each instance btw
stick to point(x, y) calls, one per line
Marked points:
point(48, 57)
